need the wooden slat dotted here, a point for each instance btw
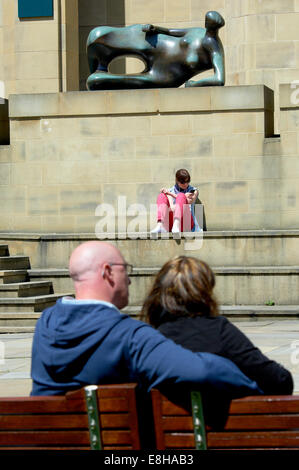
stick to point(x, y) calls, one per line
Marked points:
point(179, 440)
point(109, 405)
point(116, 437)
point(25, 405)
point(156, 397)
point(281, 421)
point(59, 406)
point(111, 421)
point(257, 422)
point(11, 438)
point(66, 448)
point(254, 439)
point(133, 418)
point(68, 421)
point(118, 447)
point(177, 423)
point(107, 391)
point(171, 409)
point(46, 448)
point(235, 440)
point(273, 404)
point(113, 447)
point(61, 437)
point(251, 405)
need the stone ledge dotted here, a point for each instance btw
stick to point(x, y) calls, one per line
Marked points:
point(37, 299)
point(151, 271)
point(146, 235)
point(18, 315)
point(169, 100)
point(218, 248)
point(12, 330)
point(255, 312)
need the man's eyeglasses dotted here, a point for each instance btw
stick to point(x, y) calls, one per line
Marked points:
point(128, 267)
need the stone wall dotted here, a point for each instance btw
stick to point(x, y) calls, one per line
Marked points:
point(72, 151)
point(39, 55)
point(261, 40)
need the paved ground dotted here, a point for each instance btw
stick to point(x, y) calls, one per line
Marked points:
point(279, 340)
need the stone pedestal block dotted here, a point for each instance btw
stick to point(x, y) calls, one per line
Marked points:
point(83, 149)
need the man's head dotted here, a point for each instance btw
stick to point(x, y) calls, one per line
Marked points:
point(99, 272)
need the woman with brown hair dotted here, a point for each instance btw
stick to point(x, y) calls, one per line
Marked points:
point(182, 306)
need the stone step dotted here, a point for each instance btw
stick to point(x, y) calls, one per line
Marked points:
point(4, 251)
point(14, 262)
point(17, 319)
point(235, 285)
point(32, 304)
point(239, 286)
point(245, 312)
point(60, 278)
point(13, 275)
point(26, 289)
point(21, 322)
point(218, 248)
point(16, 329)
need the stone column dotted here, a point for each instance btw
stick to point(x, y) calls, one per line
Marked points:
point(69, 45)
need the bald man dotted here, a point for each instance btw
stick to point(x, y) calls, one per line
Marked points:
point(87, 340)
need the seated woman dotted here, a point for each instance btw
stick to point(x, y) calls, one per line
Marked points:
point(176, 206)
point(182, 306)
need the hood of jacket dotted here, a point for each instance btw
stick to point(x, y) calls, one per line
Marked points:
point(66, 335)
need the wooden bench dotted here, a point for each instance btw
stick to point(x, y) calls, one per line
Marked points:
point(105, 417)
point(96, 417)
point(259, 422)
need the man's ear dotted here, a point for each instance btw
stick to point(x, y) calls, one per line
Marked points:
point(103, 270)
point(106, 268)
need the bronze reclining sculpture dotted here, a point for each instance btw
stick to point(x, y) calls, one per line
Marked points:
point(171, 56)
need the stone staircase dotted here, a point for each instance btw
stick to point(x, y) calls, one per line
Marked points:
point(21, 299)
point(257, 272)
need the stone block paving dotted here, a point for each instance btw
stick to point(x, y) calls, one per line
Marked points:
point(278, 339)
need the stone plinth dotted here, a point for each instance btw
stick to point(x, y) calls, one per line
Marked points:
point(72, 151)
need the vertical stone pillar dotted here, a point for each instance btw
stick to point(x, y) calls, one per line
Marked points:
point(69, 45)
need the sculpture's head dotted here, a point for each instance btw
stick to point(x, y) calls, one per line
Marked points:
point(214, 21)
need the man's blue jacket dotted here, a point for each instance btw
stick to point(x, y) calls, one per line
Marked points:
point(90, 342)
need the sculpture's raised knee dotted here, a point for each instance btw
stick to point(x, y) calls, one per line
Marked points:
point(97, 33)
